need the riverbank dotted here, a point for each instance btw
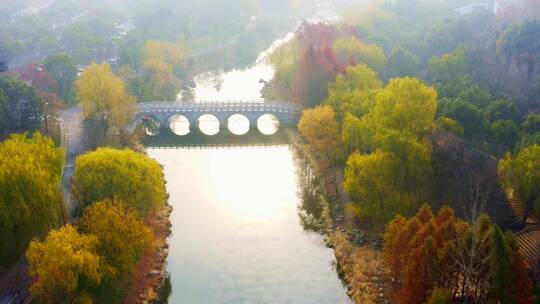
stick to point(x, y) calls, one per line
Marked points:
point(148, 282)
point(359, 257)
point(149, 277)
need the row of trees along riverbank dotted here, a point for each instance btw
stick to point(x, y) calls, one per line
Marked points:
point(383, 117)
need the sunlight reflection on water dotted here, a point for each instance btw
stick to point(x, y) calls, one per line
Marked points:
point(236, 233)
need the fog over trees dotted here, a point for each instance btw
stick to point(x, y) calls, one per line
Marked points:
point(415, 133)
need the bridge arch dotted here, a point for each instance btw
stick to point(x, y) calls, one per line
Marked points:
point(209, 123)
point(238, 123)
point(179, 124)
point(268, 123)
point(151, 124)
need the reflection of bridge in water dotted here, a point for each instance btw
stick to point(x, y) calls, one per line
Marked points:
point(213, 146)
point(162, 112)
point(198, 140)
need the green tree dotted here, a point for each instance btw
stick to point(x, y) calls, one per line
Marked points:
point(515, 42)
point(30, 200)
point(62, 67)
point(477, 96)
point(503, 109)
point(65, 265)
point(22, 107)
point(473, 120)
point(122, 235)
point(403, 62)
point(505, 134)
point(532, 124)
point(121, 175)
point(349, 49)
point(501, 271)
point(445, 124)
point(527, 141)
point(446, 67)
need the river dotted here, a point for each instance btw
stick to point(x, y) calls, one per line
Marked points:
point(236, 232)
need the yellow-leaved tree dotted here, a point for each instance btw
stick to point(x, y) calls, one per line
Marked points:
point(106, 104)
point(124, 175)
point(354, 92)
point(393, 173)
point(320, 129)
point(30, 199)
point(65, 266)
point(162, 63)
point(122, 235)
point(408, 105)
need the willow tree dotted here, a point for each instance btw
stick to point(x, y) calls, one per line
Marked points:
point(391, 175)
point(406, 104)
point(369, 179)
point(122, 235)
point(123, 175)
point(105, 102)
point(354, 91)
point(30, 200)
point(66, 265)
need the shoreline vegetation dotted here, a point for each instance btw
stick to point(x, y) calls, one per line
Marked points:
point(360, 267)
point(150, 277)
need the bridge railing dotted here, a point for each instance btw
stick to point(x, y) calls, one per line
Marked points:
point(226, 105)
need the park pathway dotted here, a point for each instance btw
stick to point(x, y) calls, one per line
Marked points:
point(73, 140)
point(14, 285)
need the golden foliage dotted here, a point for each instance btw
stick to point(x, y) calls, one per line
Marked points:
point(30, 199)
point(162, 61)
point(62, 262)
point(320, 129)
point(104, 98)
point(406, 104)
point(122, 235)
point(122, 175)
point(354, 92)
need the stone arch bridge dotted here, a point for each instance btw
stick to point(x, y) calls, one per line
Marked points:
point(161, 112)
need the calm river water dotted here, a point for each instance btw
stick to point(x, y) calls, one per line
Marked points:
point(236, 233)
